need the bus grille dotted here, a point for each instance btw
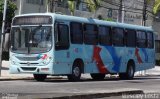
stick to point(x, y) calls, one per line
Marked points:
point(28, 58)
point(28, 68)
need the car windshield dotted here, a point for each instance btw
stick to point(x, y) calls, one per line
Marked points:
point(32, 39)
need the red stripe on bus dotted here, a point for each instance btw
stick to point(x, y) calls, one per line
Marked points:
point(138, 56)
point(98, 60)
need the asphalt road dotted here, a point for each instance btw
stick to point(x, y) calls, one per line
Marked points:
point(61, 87)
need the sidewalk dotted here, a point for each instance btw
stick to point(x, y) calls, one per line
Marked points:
point(6, 76)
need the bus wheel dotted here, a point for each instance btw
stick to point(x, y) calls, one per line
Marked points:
point(129, 72)
point(40, 77)
point(98, 76)
point(76, 72)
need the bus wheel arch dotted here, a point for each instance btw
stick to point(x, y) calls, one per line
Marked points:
point(130, 70)
point(77, 70)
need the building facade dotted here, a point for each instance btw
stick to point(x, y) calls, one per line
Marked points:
point(132, 10)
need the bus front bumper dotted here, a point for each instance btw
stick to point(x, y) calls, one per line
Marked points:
point(30, 69)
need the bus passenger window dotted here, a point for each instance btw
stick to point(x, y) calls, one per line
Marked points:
point(150, 40)
point(61, 37)
point(104, 35)
point(76, 32)
point(90, 34)
point(130, 38)
point(118, 36)
point(141, 39)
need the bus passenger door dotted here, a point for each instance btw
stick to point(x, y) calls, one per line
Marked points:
point(62, 53)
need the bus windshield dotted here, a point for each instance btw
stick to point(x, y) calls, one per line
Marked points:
point(31, 39)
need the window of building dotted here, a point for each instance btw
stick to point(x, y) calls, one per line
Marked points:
point(62, 3)
point(150, 40)
point(61, 37)
point(104, 35)
point(38, 2)
point(141, 39)
point(76, 32)
point(118, 36)
point(90, 34)
point(130, 38)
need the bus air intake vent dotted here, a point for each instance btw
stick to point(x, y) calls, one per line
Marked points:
point(28, 68)
point(29, 63)
point(27, 58)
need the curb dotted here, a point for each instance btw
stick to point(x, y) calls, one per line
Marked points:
point(98, 95)
point(9, 79)
point(25, 78)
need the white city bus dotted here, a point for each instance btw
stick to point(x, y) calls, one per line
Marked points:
point(53, 44)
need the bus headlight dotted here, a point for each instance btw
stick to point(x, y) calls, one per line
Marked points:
point(13, 62)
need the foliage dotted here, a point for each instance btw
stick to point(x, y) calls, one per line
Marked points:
point(109, 19)
point(91, 4)
point(156, 7)
point(11, 7)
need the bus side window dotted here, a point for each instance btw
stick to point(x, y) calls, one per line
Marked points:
point(104, 35)
point(61, 37)
point(141, 39)
point(150, 40)
point(90, 34)
point(118, 36)
point(76, 32)
point(130, 38)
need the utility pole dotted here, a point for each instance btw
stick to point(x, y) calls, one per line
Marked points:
point(121, 12)
point(144, 12)
point(3, 29)
point(20, 7)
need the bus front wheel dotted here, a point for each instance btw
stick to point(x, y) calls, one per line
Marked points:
point(40, 77)
point(98, 76)
point(76, 72)
point(129, 72)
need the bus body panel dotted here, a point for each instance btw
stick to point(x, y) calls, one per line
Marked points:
point(96, 58)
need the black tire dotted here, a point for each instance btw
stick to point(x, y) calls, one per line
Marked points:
point(98, 76)
point(40, 77)
point(76, 72)
point(129, 72)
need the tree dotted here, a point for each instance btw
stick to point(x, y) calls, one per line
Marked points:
point(11, 7)
point(156, 7)
point(91, 4)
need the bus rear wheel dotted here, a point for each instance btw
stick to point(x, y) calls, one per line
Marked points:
point(129, 72)
point(98, 76)
point(40, 77)
point(76, 72)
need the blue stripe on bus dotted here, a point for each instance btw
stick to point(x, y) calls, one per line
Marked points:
point(116, 59)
